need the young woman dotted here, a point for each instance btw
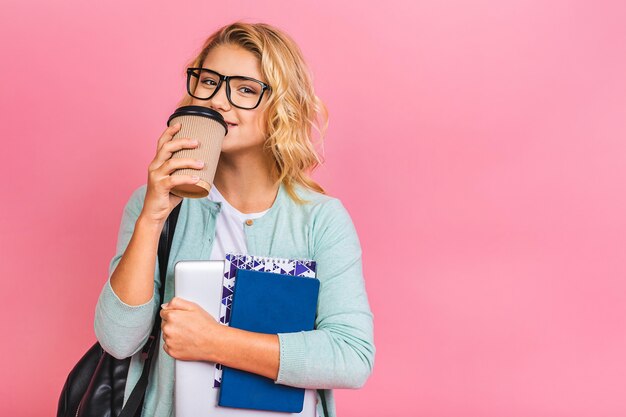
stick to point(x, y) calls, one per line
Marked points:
point(262, 203)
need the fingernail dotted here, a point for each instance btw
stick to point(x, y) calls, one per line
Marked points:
point(200, 163)
point(164, 305)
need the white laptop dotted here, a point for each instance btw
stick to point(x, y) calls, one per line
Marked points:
point(194, 394)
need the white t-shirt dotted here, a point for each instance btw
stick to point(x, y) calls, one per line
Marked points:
point(229, 234)
point(230, 238)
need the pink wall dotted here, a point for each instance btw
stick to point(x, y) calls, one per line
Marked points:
point(479, 147)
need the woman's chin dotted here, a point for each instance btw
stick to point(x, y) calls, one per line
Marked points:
point(233, 147)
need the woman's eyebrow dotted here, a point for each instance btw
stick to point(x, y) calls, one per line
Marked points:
point(256, 77)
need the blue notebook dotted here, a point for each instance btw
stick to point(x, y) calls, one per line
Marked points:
point(271, 303)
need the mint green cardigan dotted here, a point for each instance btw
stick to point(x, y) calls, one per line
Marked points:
point(339, 353)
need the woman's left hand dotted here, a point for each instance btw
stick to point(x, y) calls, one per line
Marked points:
point(189, 332)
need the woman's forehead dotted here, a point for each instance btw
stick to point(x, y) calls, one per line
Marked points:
point(233, 60)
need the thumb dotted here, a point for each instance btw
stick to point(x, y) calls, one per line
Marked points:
point(180, 304)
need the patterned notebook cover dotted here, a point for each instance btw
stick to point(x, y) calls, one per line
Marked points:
point(294, 267)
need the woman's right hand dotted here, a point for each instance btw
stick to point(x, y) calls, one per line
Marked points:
point(159, 202)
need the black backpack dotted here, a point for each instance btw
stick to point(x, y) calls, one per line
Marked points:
point(95, 386)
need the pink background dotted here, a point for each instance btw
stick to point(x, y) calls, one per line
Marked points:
point(478, 145)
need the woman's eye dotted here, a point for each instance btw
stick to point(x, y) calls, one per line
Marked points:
point(247, 90)
point(209, 81)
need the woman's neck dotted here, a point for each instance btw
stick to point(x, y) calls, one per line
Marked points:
point(247, 181)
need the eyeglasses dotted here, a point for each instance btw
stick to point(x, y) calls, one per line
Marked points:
point(242, 92)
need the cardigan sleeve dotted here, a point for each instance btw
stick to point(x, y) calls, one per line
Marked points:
point(122, 329)
point(339, 353)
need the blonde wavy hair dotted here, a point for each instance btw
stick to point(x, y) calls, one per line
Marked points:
point(292, 110)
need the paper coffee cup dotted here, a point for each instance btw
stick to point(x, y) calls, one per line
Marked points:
point(207, 127)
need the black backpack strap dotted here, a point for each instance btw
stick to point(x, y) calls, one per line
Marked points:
point(132, 407)
point(323, 398)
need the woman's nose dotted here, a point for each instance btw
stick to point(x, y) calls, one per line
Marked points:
point(219, 100)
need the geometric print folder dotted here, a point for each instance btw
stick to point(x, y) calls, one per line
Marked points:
point(294, 267)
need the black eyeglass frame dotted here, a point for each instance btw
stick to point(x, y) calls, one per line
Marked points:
point(222, 79)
